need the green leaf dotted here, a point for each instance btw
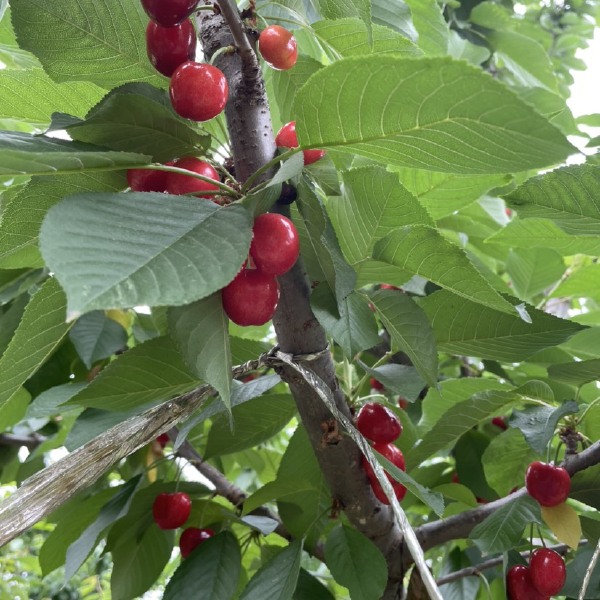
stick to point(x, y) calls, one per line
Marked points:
point(254, 422)
point(74, 518)
point(338, 9)
point(569, 196)
point(356, 563)
point(130, 119)
point(434, 113)
point(310, 588)
point(350, 322)
point(138, 562)
point(431, 25)
point(576, 373)
point(585, 486)
point(580, 283)
point(276, 579)
point(114, 509)
point(457, 420)
point(401, 379)
point(350, 37)
point(395, 16)
point(31, 96)
point(200, 331)
point(409, 329)
point(277, 490)
point(162, 249)
point(23, 215)
point(537, 423)
point(211, 572)
point(543, 233)
point(532, 271)
point(462, 327)
point(503, 529)
point(525, 58)
point(93, 40)
point(150, 372)
point(320, 246)
point(503, 475)
point(41, 330)
point(424, 251)
point(443, 193)
point(23, 154)
point(49, 402)
point(374, 203)
point(95, 337)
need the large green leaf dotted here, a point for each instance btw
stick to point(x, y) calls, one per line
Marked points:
point(543, 233)
point(356, 563)
point(350, 37)
point(338, 9)
point(374, 203)
point(150, 372)
point(569, 196)
point(41, 330)
point(31, 96)
point(200, 331)
point(462, 327)
point(130, 119)
point(503, 529)
point(23, 215)
point(580, 284)
point(162, 250)
point(424, 251)
point(210, 572)
point(443, 193)
point(430, 23)
point(532, 271)
point(254, 422)
point(25, 154)
point(585, 486)
point(433, 113)
point(92, 40)
point(409, 329)
point(576, 373)
point(276, 579)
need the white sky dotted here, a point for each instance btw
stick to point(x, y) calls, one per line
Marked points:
point(585, 90)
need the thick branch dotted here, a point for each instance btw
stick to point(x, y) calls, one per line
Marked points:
point(460, 526)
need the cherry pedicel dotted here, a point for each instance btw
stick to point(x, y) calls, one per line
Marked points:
point(378, 423)
point(191, 538)
point(169, 12)
point(198, 91)
point(547, 571)
point(168, 47)
point(171, 510)
point(251, 298)
point(275, 246)
point(549, 485)
point(287, 138)
point(519, 585)
point(278, 47)
point(395, 456)
point(184, 184)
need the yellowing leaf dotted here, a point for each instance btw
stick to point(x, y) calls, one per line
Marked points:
point(122, 317)
point(152, 455)
point(564, 523)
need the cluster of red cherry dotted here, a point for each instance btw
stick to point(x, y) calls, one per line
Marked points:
point(546, 574)
point(381, 427)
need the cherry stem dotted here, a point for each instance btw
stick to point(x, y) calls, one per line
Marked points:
point(233, 19)
point(226, 190)
point(220, 52)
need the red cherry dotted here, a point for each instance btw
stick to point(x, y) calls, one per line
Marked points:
point(184, 184)
point(402, 403)
point(376, 385)
point(519, 586)
point(168, 47)
point(191, 538)
point(395, 456)
point(147, 180)
point(163, 439)
point(275, 245)
point(287, 138)
point(169, 12)
point(278, 47)
point(171, 511)
point(378, 423)
point(547, 571)
point(387, 286)
point(548, 484)
point(500, 422)
point(251, 298)
point(198, 91)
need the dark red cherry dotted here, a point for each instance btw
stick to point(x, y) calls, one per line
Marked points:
point(519, 586)
point(376, 385)
point(147, 180)
point(287, 138)
point(278, 47)
point(191, 538)
point(548, 484)
point(378, 423)
point(547, 571)
point(184, 184)
point(169, 12)
point(395, 456)
point(169, 47)
point(275, 246)
point(172, 510)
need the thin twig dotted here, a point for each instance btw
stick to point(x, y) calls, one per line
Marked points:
point(589, 571)
point(234, 21)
